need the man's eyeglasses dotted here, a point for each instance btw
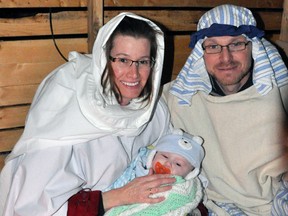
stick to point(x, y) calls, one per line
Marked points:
point(124, 63)
point(232, 47)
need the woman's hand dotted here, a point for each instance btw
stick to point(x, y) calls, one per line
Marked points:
point(139, 190)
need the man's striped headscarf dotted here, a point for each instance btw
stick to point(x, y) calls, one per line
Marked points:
point(229, 20)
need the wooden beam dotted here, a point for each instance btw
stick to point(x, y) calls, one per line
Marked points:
point(28, 51)
point(64, 23)
point(186, 20)
point(8, 138)
point(42, 3)
point(2, 160)
point(15, 95)
point(284, 23)
point(31, 62)
point(95, 20)
point(283, 38)
point(193, 3)
point(12, 117)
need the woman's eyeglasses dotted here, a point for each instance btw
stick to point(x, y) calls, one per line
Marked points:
point(124, 63)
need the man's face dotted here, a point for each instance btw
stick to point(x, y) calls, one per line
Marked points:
point(230, 69)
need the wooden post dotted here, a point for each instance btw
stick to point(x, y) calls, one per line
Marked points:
point(283, 38)
point(95, 20)
point(284, 24)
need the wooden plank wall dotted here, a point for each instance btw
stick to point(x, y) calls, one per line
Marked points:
point(28, 53)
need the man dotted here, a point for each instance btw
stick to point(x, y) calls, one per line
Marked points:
point(233, 91)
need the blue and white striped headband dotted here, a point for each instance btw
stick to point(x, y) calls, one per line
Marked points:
point(216, 30)
point(268, 64)
point(226, 20)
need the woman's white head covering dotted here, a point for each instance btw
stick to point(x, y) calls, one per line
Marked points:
point(69, 106)
point(103, 110)
point(234, 20)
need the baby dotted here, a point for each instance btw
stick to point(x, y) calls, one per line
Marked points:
point(179, 154)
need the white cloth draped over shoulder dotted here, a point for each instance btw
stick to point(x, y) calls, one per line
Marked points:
point(75, 137)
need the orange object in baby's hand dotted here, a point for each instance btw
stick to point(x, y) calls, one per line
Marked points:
point(160, 169)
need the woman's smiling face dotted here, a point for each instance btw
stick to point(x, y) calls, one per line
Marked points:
point(130, 80)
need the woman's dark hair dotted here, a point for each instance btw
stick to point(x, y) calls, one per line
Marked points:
point(137, 29)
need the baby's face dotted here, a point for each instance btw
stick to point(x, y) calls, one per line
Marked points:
point(177, 164)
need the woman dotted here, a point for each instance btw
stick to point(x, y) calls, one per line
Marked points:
point(86, 123)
